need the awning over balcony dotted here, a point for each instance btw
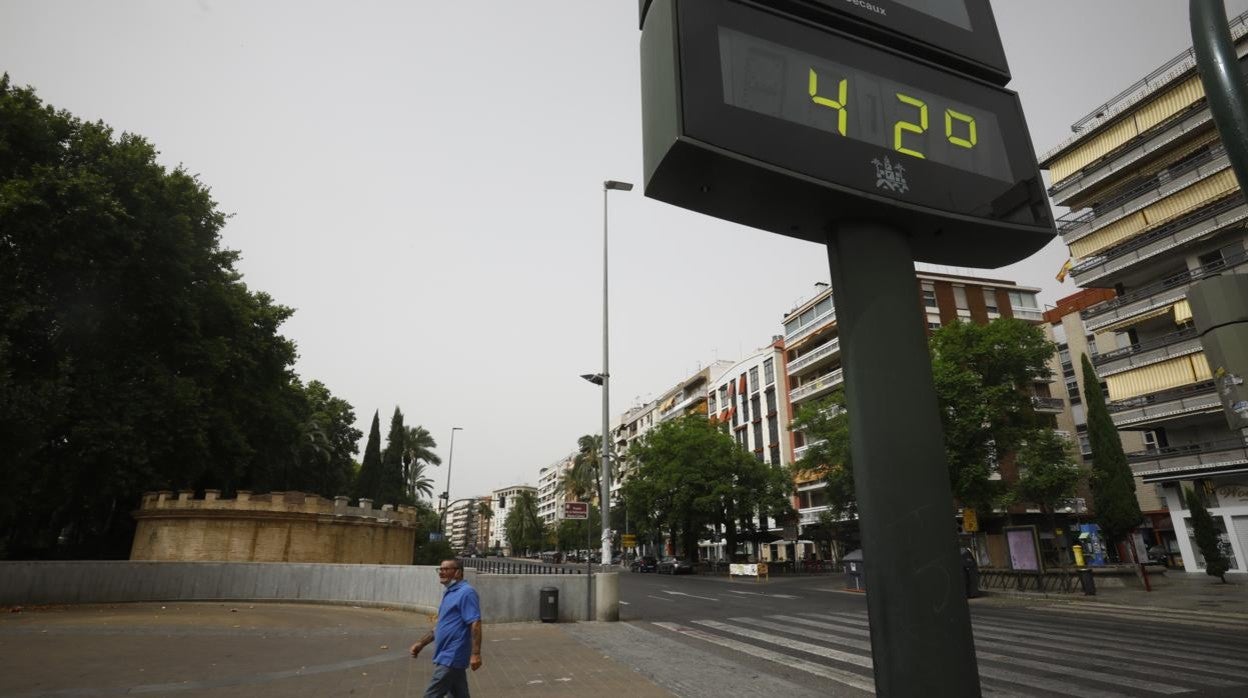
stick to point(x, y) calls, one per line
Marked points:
point(1179, 371)
point(1136, 319)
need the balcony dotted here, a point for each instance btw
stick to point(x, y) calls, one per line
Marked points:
point(802, 450)
point(817, 387)
point(1032, 314)
point(1148, 352)
point(1202, 166)
point(809, 328)
point(1182, 127)
point(826, 350)
point(1200, 223)
point(1191, 460)
point(810, 515)
point(1155, 296)
point(1047, 405)
point(679, 408)
point(1146, 411)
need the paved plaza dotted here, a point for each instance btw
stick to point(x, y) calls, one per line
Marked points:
point(279, 650)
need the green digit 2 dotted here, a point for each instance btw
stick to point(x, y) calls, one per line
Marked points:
point(906, 126)
point(842, 96)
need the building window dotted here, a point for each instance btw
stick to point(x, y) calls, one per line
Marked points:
point(1092, 350)
point(775, 455)
point(754, 379)
point(929, 294)
point(959, 298)
point(990, 301)
point(758, 413)
point(773, 430)
point(710, 403)
point(1023, 300)
point(745, 410)
point(824, 306)
point(758, 438)
point(771, 401)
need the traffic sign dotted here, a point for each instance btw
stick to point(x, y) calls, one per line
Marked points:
point(628, 540)
point(576, 510)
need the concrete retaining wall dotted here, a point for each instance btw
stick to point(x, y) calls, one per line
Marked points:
point(504, 598)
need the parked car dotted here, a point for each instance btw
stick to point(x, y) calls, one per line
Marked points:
point(645, 563)
point(671, 565)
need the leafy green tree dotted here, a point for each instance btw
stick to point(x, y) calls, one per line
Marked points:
point(825, 425)
point(1113, 485)
point(132, 355)
point(368, 482)
point(523, 526)
point(1049, 475)
point(983, 375)
point(334, 419)
point(690, 476)
point(418, 455)
point(1207, 541)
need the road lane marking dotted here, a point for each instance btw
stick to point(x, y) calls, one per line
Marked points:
point(624, 603)
point(660, 598)
point(692, 596)
point(762, 593)
point(788, 643)
point(863, 683)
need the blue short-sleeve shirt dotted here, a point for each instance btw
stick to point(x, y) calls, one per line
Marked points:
point(452, 636)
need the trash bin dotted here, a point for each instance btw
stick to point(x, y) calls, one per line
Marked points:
point(970, 573)
point(854, 568)
point(548, 607)
point(1087, 582)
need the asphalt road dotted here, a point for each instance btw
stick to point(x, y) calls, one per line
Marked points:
point(810, 636)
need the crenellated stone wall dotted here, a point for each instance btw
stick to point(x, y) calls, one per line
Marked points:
point(273, 527)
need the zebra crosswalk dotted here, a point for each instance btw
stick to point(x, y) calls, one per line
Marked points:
point(1089, 650)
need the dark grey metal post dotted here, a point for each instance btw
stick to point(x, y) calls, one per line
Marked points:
point(1224, 85)
point(921, 640)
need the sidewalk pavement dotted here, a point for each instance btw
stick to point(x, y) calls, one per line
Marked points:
point(1174, 590)
point(281, 650)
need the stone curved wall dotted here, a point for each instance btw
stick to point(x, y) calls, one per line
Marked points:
point(273, 527)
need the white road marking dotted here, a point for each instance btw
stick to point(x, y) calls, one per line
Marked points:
point(760, 593)
point(624, 603)
point(660, 598)
point(788, 643)
point(692, 596)
point(863, 683)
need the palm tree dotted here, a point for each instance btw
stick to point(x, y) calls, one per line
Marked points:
point(583, 478)
point(418, 483)
point(418, 455)
point(310, 441)
point(523, 525)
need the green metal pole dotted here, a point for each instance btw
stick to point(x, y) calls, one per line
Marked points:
point(1224, 85)
point(921, 641)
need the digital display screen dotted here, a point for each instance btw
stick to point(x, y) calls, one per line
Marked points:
point(855, 103)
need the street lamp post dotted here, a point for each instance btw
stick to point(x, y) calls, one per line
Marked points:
point(605, 494)
point(446, 496)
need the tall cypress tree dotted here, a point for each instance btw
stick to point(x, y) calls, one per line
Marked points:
point(1206, 535)
point(368, 482)
point(1113, 485)
point(393, 489)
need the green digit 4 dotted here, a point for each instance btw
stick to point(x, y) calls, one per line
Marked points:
point(842, 96)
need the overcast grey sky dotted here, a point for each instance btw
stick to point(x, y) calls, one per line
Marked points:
point(422, 181)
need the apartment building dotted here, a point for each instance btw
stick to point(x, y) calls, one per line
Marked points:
point(550, 492)
point(1073, 340)
point(503, 500)
point(459, 521)
point(813, 368)
point(1155, 208)
point(749, 400)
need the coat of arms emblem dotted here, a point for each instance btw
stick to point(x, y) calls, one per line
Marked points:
point(889, 176)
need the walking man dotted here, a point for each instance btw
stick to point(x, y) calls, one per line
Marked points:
point(456, 637)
